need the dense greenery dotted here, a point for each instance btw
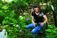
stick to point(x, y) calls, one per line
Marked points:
point(15, 16)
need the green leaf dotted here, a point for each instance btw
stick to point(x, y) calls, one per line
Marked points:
point(49, 30)
point(5, 7)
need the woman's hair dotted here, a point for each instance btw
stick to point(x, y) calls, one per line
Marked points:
point(36, 6)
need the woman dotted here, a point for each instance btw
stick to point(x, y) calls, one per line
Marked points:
point(38, 20)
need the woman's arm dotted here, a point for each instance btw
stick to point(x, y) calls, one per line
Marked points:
point(33, 20)
point(45, 19)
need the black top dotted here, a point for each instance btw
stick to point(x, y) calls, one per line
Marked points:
point(38, 18)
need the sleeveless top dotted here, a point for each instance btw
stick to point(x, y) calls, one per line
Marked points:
point(38, 18)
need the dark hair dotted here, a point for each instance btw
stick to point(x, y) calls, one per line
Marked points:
point(37, 7)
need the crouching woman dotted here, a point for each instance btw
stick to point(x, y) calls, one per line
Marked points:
point(38, 20)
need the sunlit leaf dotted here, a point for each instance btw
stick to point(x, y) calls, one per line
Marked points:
point(5, 7)
point(7, 1)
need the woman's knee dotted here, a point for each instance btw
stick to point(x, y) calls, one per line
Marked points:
point(30, 26)
point(36, 30)
point(33, 32)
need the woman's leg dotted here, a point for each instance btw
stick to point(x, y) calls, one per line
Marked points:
point(30, 26)
point(36, 30)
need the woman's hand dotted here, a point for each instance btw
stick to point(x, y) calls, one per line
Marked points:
point(41, 23)
point(45, 20)
point(34, 24)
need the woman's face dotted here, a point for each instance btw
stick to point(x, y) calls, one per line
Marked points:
point(36, 10)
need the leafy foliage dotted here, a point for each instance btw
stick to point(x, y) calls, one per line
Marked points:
point(13, 20)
